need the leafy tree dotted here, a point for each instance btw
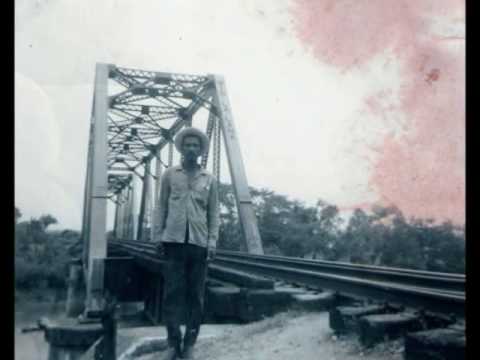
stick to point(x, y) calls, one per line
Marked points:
point(443, 245)
point(230, 236)
point(325, 234)
point(47, 220)
point(402, 248)
point(355, 242)
point(41, 256)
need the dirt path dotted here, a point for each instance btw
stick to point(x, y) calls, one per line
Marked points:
point(287, 336)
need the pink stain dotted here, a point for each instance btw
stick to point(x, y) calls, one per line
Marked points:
point(380, 104)
point(433, 75)
point(422, 172)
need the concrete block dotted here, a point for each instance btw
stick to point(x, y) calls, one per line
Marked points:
point(376, 328)
point(344, 319)
point(69, 333)
point(222, 302)
point(314, 302)
point(445, 344)
point(254, 305)
point(435, 321)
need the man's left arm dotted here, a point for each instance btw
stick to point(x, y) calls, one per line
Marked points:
point(213, 217)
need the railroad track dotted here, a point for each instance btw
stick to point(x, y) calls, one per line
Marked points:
point(438, 292)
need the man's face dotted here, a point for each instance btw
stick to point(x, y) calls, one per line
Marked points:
point(191, 147)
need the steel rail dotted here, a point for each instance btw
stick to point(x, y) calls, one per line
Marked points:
point(439, 299)
point(326, 262)
point(148, 250)
point(445, 281)
point(444, 302)
point(418, 278)
point(240, 265)
point(146, 259)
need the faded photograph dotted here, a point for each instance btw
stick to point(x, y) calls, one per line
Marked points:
point(235, 180)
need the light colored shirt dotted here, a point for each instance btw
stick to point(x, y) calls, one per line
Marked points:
point(193, 202)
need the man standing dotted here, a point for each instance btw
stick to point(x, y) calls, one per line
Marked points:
point(187, 234)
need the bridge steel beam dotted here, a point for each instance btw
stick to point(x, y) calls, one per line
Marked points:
point(87, 200)
point(211, 123)
point(144, 201)
point(123, 214)
point(117, 215)
point(118, 232)
point(180, 123)
point(131, 213)
point(130, 228)
point(156, 193)
point(97, 195)
point(237, 170)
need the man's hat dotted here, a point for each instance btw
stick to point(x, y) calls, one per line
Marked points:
point(191, 131)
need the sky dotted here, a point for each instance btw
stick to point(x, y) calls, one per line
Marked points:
point(356, 102)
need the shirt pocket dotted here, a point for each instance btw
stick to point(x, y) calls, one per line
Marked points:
point(177, 189)
point(201, 191)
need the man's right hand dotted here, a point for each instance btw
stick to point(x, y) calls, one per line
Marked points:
point(211, 253)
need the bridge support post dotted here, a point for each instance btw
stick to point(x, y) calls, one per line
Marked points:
point(96, 235)
point(156, 193)
point(124, 212)
point(117, 216)
point(122, 218)
point(75, 292)
point(87, 199)
point(118, 228)
point(131, 221)
point(247, 216)
point(144, 203)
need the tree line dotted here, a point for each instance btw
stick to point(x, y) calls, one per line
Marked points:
point(42, 255)
point(378, 236)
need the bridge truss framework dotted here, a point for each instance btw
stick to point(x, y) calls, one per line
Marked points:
point(135, 115)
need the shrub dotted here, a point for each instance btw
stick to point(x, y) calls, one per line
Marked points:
point(29, 275)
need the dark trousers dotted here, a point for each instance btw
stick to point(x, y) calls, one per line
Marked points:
point(185, 271)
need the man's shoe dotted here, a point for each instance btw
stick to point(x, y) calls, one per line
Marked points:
point(170, 354)
point(188, 352)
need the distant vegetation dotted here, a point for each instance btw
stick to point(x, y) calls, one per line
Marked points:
point(381, 236)
point(41, 256)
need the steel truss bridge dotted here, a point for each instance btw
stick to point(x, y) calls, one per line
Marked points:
point(135, 117)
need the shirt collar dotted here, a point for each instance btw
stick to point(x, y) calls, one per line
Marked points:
point(201, 171)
